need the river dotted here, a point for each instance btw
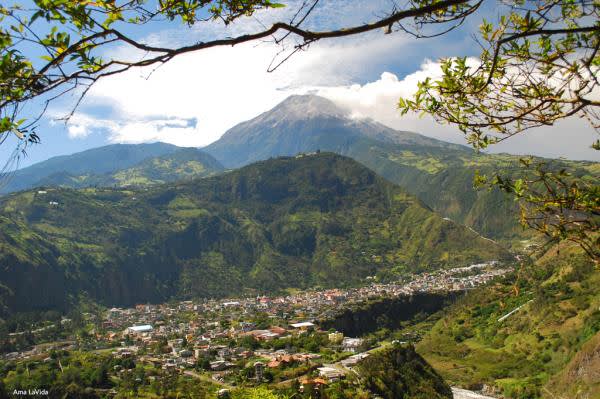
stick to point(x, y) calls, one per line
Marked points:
point(465, 394)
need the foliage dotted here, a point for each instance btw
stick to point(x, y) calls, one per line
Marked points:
point(65, 375)
point(558, 205)
point(256, 393)
point(538, 65)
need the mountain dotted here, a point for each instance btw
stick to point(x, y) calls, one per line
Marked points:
point(182, 164)
point(117, 164)
point(320, 220)
point(305, 123)
point(439, 173)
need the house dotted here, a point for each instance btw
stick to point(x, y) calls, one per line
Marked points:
point(354, 359)
point(303, 326)
point(310, 384)
point(115, 313)
point(220, 365)
point(351, 344)
point(263, 335)
point(278, 330)
point(186, 353)
point(224, 353)
point(175, 344)
point(259, 371)
point(330, 373)
point(139, 330)
point(247, 326)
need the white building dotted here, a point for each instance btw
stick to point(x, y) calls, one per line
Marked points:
point(351, 344)
point(305, 325)
point(139, 330)
point(331, 373)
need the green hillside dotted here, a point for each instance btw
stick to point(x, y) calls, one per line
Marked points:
point(401, 373)
point(440, 174)
point(292, 222)
point(97, 161)
point(182, 164)
point(443, 179)
point(547, 348)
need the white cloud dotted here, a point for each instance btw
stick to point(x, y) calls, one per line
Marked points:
point(217, 88)
point(79, 130)
point(193, 99)
point(379, 99)
point(569, 138)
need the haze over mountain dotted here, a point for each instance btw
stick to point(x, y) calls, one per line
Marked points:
point(293, 222)
point(304, 123)
point(115, 165)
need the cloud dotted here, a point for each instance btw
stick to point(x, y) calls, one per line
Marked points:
point(570, 138)
point(169, 130)
point(378, 100)
point(193, 99)
point(217, 88)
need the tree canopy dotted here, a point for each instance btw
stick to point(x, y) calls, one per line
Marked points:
point(539, 64)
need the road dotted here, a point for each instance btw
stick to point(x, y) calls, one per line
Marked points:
point(206, 378)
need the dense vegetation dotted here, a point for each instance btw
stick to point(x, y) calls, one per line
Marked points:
point(438, 173)
point(86, 375)
point(400, 373)
point(548, 348)
point(183, 164)
point(294, 222)
point(392, 373)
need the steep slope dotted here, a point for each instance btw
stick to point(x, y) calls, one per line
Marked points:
point(98, 161)
point(291, 222)
point(399, 372)
point(182, 164)
point(439, 173)
point(581, 377)
point(533, 335)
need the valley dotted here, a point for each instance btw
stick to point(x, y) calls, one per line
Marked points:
point(289, 222)
point(307, 253)
point(245, 341)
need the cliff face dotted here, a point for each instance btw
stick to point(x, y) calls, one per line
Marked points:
point(386, 313)
point(580, 379)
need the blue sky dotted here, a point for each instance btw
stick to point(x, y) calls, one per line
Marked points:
point(194, 99)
